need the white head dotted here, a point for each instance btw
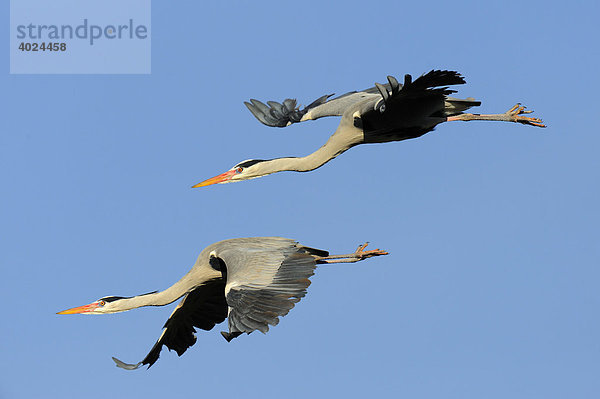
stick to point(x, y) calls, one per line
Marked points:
point(248, 169)
point(107, 304)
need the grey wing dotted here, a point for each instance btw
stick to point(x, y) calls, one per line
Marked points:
point(265, 283)
point(284, 114)
point(379, 94)
point(281, 114)
point(203, 307)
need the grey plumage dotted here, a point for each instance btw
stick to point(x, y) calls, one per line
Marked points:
point(281, 115)
point(250, 281)
point(255, 306)
point(383, 113)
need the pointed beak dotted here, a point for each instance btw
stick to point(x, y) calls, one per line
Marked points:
point(222, 178)
point(81, 309)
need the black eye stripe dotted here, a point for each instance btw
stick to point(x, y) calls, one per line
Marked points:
point(116, 298)
point(111, 298)
point(248, 163)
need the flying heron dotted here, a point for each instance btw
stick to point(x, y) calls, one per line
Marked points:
point(249, 281)
point(384, 113)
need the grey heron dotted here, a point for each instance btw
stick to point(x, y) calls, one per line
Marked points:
point(381, 114)
point(250, 281)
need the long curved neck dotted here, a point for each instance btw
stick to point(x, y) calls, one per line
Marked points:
point(342, 140)
point(191, 280)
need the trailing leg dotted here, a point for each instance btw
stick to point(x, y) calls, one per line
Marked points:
point(357, 256)
point(515, 114)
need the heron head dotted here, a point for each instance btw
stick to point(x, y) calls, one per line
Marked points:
point(112, 304)
point(108, 304)
point(244, 170)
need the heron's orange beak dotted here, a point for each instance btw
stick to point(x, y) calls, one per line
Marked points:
point(81, 309)
point(223, 177)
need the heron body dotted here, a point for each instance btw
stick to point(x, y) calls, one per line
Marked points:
point(250, 281)
point(381, 114)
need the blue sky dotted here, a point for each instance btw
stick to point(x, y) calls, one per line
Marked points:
point(491, 288)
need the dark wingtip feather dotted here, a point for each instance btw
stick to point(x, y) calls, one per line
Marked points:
point(436, 78)
point(289, 104)
point(383, 91)
point(258, 110)
point(260, 106)
point(272, 115)
point(229, 336)
point(394, 85)
point(281, 115)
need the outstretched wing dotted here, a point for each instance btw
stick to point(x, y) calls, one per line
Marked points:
point(264, 282)
point(202, 308)
point(413, 108)
point(284, 114)
point(281, 115)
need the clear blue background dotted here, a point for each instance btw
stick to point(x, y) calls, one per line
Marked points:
point(491, 288)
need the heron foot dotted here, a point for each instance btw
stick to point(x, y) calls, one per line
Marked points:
point(361, 254)
point(515, 114)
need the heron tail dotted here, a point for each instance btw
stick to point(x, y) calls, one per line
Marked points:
point(454, 106)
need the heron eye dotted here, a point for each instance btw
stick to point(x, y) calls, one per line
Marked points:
point(382, 108)
point(239, 170)
point(101, 303)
